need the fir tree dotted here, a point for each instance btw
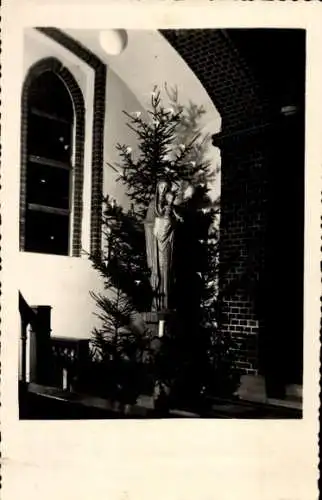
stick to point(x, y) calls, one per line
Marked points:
point(170, 146)
point(168, 149)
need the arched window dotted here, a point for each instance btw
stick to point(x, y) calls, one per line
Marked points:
point(51, 161)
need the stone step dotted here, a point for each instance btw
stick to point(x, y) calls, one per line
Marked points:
point(252, 388)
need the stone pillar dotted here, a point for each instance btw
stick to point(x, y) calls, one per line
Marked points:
point(242, 240)
point(260, 171)
point(42, 343)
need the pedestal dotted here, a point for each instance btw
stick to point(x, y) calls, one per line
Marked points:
point(151, 320)
point(158, 323)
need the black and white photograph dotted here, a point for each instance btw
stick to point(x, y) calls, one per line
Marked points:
point(161, 223)
point(160, 250)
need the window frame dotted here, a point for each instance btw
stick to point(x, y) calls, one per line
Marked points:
point(100, 71)
point(77, 167)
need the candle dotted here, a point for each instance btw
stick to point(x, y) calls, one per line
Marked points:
point(65, 385)
point(161, 327)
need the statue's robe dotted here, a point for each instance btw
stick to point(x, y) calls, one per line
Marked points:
point(159, 233)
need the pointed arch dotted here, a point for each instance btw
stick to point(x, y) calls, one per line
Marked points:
point(33, 215)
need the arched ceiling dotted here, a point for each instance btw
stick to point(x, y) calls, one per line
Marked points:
point(273, 59)
point(150, 60)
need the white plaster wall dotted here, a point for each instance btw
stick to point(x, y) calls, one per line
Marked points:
point(65, 282)
point(60, 281)
point(119, 98)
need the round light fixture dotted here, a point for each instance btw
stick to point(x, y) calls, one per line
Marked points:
point(113, 41)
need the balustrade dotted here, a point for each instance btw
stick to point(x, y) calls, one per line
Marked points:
point(44, 359)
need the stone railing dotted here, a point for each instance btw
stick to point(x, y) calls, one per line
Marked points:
point(44, 359)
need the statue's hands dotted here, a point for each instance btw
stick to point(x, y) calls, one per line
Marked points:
point(178, 216)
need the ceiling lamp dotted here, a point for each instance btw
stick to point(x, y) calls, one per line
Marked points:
point(113, 41)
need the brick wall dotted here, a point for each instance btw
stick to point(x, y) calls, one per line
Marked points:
point(224, 74)
point(250, 126)
point(98, 127)
point(242, 247)
point(229, 82)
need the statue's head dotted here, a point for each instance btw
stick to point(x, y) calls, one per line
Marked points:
point(163, 187)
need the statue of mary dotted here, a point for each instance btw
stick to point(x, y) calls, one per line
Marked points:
point(160, 223)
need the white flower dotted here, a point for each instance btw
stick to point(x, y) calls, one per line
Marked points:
point(193, 163)
point(182, 147)
point(188, 192)
point(153, 93)
point(169, 111)
point(137, 114)
point(156, 122)
point(128, 150)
